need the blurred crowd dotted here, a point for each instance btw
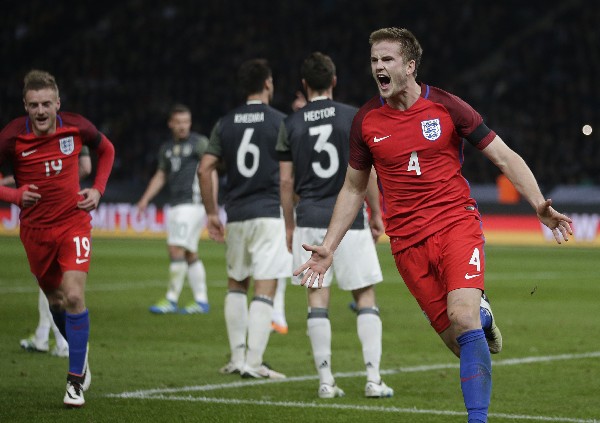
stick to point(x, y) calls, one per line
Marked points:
point(529, 68)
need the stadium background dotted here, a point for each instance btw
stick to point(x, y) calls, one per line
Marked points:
point(529, 68)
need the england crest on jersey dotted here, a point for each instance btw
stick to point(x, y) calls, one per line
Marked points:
point(67, 145)
point(431, 129)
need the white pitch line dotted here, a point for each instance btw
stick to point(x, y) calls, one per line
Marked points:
point(413, 369)
point(383, 409)
point(160, 394)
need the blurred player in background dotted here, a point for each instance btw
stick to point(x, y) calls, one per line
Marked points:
point(39, 341)
point(412, 134)
point(178, 161)
point(313, 152)
point(55, 222)
point(244, 141)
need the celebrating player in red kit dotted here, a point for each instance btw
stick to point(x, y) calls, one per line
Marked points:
point(55, 221)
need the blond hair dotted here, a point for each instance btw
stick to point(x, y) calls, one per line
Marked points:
point(410, 49)
point(38, 80)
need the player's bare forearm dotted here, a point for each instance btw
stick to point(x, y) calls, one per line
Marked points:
point(375, 221)
point(286, 195)
point(517, 171)
point(349, 201)
point(154, 186)
point(207, 166)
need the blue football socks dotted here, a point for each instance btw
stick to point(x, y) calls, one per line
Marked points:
point(78, 331)
point(475, 374)
point(486, 318)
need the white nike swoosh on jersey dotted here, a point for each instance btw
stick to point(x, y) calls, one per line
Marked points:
point(380, 139)
point(467, 276)
point(79, 261)
point(28, 153)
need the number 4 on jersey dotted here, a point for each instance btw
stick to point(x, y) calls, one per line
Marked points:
point(413, 163)
point(475, 260)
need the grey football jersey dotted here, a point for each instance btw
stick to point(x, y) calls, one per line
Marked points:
point(179, 160)
point(316, 139)
point(245, 141)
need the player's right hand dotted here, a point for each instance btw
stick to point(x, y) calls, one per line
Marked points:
point(142, 205)
point(314, 269)
point(28, 197)
point(215, 228)
point(557, 222)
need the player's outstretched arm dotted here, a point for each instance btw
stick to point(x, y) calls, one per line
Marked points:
point(517, 171)
point(349, 201)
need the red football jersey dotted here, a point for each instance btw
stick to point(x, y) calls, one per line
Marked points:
point(418, 155)
point(51, 162)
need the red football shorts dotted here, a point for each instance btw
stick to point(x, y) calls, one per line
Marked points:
point(54, 250)
point(447, 260)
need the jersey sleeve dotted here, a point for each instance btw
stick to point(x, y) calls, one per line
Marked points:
point(467, 121)
point(201, 145)
point(283, 145)
point(214, 143)
point(8, 136)
point(163, 162)
point(360, 155)
point(90, 135)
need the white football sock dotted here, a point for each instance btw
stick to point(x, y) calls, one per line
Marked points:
point(197, 279)
point(319, 332)
point(279, 303)
point(47, 322)
point(369, 330)
point(177, 271)
point(42, 332)
point(259, 330)
point(236, 320)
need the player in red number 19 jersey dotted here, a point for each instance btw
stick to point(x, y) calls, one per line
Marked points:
point(412, 134)
point(55, 223)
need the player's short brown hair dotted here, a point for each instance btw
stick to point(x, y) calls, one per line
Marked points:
point(318, 71)
point(38, 80)
point(409, 45)
point(252, 76)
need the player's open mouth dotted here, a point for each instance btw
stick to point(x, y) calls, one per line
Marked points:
point(384, 81)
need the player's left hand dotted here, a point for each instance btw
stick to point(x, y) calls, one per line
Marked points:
point(91, 198)
point(377, 227)
point(559, 223)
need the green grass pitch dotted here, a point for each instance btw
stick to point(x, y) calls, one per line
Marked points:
point(149, 368)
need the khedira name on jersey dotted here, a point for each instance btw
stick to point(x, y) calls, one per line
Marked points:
point(249, 117)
